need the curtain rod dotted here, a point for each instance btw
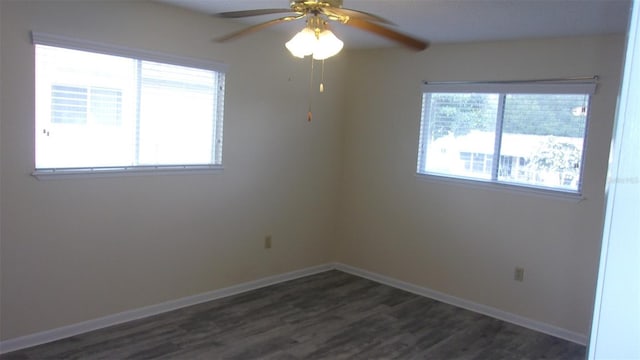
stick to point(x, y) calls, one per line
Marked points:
point(594, 78)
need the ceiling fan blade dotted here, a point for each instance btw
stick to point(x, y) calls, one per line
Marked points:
point(343, 12)
point(256, 12)
point(254, 28)
point(405, 40)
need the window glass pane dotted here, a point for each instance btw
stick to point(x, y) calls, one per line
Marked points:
point(176, 108)
point(460, 134)
point(542, 140)
point(106, 106)
point(77, 93)
point(68, 104)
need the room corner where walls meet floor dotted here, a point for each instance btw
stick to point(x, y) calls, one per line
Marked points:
point(135, 314)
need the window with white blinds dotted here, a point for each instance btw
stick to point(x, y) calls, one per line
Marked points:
point(101, 108)
point(524, 134)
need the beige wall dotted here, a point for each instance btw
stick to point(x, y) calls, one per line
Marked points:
point(339, 189)
point(74, 250)
point(461, 240)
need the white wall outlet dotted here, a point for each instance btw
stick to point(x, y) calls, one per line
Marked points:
point(267, 242)
point(518, 274)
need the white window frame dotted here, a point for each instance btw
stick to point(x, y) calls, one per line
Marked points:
point(144, 55)
point(585, 86)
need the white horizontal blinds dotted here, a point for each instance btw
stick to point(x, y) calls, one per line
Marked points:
point(134, 53)
point(219, 109)
point(540, 87)
point(423, 138)
point(96, 110)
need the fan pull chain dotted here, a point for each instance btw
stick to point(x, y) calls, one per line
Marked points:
point(322, 78)
point(309, 113)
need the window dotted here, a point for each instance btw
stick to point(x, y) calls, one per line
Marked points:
point(529, 134)
point(74, 105)
point(101, 108)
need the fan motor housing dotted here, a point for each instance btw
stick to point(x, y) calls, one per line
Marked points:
point(310, 5)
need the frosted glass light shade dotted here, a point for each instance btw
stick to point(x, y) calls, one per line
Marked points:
point(327, 45)
point(302, 44)
point(322, 46)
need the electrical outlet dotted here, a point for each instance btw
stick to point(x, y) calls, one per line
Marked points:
point(267, 242)
point(518, 274)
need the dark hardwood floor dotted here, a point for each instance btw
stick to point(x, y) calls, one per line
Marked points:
point(332, 315)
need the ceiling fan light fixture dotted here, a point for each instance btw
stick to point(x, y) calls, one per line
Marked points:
point(302, 44)
point(321, 44)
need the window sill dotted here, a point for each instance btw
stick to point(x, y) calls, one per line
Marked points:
point(504, 187)
point(86, 173)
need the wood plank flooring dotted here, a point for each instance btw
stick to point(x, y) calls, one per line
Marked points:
point(331, 315)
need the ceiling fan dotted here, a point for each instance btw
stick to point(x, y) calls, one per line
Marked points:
point(317, 14)
point(316, 39)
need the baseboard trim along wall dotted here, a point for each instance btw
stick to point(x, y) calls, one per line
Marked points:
point(134, 314)
point(466, 304)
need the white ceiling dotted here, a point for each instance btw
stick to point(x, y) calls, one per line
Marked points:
point(444, 21)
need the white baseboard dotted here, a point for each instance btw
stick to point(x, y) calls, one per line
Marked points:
point(99, 323)
point(119, 318)
point(469, 305)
